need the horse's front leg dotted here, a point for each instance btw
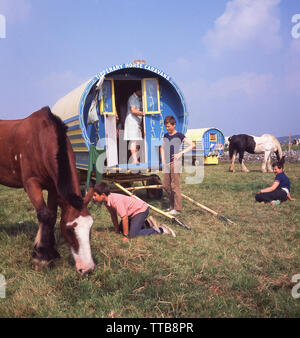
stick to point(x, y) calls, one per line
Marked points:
point(264, 163)
point(44, 251)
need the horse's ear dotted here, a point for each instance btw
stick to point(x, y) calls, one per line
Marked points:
point(88, 196)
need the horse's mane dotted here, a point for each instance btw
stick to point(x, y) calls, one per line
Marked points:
point(64, 181)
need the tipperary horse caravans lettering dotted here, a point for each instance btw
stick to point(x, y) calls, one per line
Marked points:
point(266, 144)
point(134, 65)
point(29, 160)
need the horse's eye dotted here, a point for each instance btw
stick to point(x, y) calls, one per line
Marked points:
point(70, 230)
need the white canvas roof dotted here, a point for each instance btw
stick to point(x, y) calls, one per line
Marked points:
point(68, 106)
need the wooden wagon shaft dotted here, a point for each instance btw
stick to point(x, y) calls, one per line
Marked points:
point(158, 186)
point(207, 209)
point(174, 219)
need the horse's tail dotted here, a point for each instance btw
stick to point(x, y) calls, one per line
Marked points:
point(232, 147)
point(231, 150)
point(64, 182)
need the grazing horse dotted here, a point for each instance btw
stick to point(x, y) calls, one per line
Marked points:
point(296, 141)
point(37, 155)
point(254, 145)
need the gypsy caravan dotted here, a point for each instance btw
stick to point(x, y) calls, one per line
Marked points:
point(95, 113)
point(209, 144)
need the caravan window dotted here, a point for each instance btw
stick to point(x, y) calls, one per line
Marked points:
point(151, 97)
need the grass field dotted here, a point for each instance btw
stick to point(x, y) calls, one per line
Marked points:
point(215, 270)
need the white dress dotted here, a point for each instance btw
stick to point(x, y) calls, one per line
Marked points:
point(133, 123)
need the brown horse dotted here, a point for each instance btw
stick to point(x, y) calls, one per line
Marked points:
point(37, 155)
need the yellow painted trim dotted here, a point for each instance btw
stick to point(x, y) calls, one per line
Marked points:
point(74, 132)
point(77, 140)
point(114, 112)
point(72, 123)
point(212, 137)
point(145, 96)
point(79, 166)
point(211, 160)
point(80, 149)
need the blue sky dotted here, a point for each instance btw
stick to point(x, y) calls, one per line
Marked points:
point(236, 61)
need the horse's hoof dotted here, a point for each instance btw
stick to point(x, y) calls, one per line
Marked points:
point(41, 260)
point(41, 264)
point(42, 254)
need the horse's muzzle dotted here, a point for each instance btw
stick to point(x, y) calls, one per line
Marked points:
point(83, 270)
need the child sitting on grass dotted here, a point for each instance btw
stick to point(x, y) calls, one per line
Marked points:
point(279, 191)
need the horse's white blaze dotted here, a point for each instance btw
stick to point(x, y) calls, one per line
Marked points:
point(83, 258)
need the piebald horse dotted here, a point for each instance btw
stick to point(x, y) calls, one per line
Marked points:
point(266, 144)
point(37, 155)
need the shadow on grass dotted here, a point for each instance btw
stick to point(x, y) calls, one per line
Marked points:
point(13, 229)
point(250, 171)
point(99, 229)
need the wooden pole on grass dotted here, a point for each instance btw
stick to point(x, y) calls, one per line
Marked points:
point(207, 209)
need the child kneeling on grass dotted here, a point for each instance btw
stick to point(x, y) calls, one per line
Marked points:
point(132, 211)
point(279, 191)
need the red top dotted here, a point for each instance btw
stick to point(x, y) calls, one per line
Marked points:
point(126, 205)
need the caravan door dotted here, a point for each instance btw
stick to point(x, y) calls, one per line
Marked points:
point(153, 120)
point(108, 110)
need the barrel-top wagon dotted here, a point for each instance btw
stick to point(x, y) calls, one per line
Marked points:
point(209, 144)
point(95, 113)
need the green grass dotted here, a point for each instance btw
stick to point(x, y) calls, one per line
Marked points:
point(215, 270)
point(285, 147)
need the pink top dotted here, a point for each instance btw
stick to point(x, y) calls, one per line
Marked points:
point(126, 205)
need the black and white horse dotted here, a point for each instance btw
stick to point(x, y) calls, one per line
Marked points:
point(296, 141)
point(266, 144)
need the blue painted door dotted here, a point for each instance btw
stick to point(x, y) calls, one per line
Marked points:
point(153, 120)
point(108, 111)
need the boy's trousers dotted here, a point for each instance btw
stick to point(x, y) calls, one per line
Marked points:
point(171, 183)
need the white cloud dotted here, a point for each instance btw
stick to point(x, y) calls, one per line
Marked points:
point(244, 23)
point(15, 10)
point(292, 67)
point(251, 86)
